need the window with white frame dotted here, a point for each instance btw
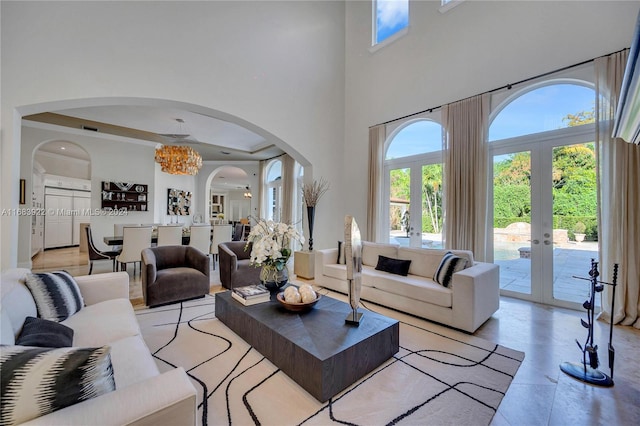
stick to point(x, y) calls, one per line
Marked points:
point(274, 190)
point(390, 17)
point(413, 174)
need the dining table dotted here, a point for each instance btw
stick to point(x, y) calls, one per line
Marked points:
point(116, 240)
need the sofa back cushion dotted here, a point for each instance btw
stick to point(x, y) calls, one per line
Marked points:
point(425, 262)
point(371, 251)
point(17, 304)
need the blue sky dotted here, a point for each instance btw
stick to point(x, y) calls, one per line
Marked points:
point(391, 16)
point(541, 110)
point(536, 111)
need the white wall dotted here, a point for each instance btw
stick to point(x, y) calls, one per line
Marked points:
point(166, 181)
point(276, 65)
point(475, 47)
point(61, 165)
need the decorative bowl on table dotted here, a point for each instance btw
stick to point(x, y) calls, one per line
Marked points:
point(297, 307)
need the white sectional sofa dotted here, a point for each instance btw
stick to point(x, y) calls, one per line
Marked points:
point(471, 299)
point(143, 396)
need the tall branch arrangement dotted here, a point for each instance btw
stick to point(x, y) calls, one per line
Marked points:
point(311, 192)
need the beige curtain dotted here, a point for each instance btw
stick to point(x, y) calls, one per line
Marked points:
point(377, 136)
point(465, 174)
point(288, 188)
point(262, 210)
point(619, 198)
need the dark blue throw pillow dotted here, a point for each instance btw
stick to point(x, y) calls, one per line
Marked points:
point(393, 266)
point(45, 334)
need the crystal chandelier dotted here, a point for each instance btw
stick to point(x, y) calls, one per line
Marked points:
point(178, 160)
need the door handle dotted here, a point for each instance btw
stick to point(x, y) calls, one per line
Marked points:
point(536, 241)
point(547, 242)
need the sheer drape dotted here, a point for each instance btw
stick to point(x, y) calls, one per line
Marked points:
point(619, 197)
point(377, 136)
point(288, 188)
point(465, 174)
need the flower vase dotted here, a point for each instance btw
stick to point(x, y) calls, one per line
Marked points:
point(273, 279)
point(311, 212)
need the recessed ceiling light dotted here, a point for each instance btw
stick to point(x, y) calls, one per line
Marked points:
point(62, 147)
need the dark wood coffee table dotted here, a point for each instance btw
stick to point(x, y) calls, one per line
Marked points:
point(316, 348)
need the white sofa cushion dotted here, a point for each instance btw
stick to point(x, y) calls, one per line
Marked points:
point(425, 262)
point(411, 286)
point(103, 323)
point(132, 361)
point(17, 304)
point(336, 271)
point(371, 251)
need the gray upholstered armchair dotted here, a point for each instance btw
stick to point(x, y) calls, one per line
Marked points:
point(235, 267)
point(173, 273)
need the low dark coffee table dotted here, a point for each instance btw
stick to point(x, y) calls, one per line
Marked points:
point(316, 348)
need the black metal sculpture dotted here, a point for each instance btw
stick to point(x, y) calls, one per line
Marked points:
point(588, 371)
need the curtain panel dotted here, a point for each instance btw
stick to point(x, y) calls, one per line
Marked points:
point(619, 198)
point(465, 174)
point(288, 188)
point(377, 136)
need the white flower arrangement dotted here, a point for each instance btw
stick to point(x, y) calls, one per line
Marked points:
point(272, 243)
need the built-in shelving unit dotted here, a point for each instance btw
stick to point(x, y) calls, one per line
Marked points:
point(216, 206)
point(124, 196)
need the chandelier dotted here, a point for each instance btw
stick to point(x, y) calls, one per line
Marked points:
point(247, 193)
point(178, 160)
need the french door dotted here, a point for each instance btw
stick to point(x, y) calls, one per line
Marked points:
point(533, 237)
point(414, 208)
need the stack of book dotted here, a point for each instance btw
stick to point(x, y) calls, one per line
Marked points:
point(251, 294)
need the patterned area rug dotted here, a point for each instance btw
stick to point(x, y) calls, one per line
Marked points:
point(439, 376)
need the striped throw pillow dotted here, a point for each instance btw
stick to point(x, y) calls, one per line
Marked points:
point(56, 294)
point(449, 265)
point(39, 381)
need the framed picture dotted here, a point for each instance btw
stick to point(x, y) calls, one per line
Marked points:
point(179, 202)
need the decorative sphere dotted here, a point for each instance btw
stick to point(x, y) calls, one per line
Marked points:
point(305, 287)
point(291, 295)
point(308, 296)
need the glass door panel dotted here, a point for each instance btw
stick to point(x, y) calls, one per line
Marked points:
point(575, 220)
point(399, 206)
point(431, 214)
point(512, 221)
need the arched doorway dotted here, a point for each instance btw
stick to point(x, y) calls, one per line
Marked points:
point(544, 191)
point(229, 195)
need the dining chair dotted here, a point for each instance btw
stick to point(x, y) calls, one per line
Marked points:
point(169, 235)
point(238, 232)
point(95, 254)
point(201, 238)
point(134, 240)
point(221, 234)
point(117, 231)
